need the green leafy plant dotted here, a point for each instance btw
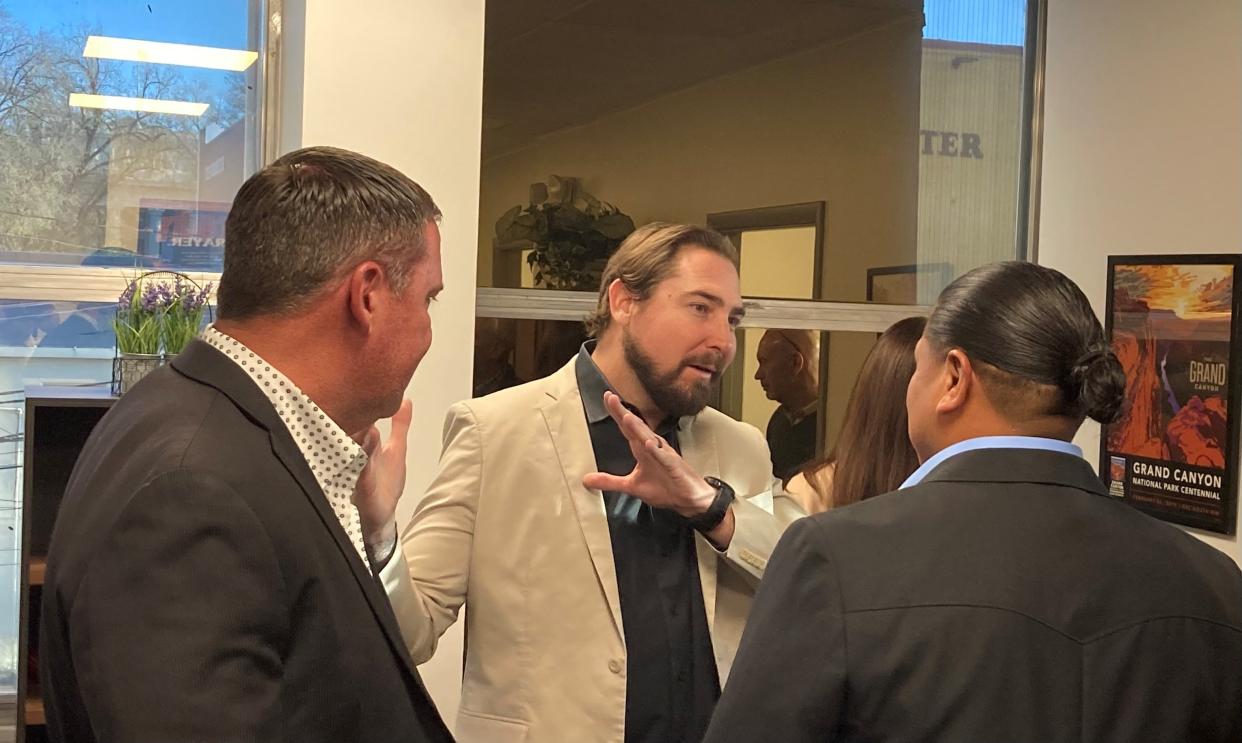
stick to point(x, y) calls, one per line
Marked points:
point(183, 315)
point(571, 233)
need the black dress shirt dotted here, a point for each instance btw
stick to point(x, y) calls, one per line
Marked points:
point(791, 442)
point(672, 684)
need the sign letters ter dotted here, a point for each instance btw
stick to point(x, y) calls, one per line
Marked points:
point(951, 144)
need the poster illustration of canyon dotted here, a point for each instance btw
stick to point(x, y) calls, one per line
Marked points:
point(1171, 324)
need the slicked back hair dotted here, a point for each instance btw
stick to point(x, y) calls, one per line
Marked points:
point(309, 218)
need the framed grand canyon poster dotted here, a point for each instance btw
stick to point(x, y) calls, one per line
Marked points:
point(1173, 323)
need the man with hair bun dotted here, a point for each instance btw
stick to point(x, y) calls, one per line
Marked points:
point(1000, 594)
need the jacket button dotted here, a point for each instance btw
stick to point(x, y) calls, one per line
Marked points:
point(614, 666)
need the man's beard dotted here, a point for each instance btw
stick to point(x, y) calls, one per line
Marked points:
point(676, 399)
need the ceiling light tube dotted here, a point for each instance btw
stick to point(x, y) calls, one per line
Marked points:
point(122, 103)
point(159, 52)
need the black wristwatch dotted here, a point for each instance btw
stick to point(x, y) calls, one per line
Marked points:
point(715, 513)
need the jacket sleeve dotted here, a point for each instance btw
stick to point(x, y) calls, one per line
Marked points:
point(426, 580)
point(759, 521)
point(788, 681)
point(177, 627)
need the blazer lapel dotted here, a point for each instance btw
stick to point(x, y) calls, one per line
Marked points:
point(698, 448)
point(205, 364)
point(291, 457)
point(571, 438)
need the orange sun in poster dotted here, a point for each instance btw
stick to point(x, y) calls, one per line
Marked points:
point(1192, 292)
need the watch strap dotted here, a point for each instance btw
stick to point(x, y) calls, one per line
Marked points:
point(719, 507)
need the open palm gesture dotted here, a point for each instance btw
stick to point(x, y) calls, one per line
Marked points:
point(383, 479)
point(660, 478)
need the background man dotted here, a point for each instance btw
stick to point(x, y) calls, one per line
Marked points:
point(207, 579)
point(789, 374)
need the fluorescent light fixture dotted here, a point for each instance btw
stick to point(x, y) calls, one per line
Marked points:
point(122, 103)
point(159, 52)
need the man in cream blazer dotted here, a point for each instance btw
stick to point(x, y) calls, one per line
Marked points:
point(509, 529)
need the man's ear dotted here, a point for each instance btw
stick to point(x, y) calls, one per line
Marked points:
point(621, 303)
point(959, 381)
point(365, 287)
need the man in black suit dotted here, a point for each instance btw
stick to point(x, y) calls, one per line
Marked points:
point(1001, 594)
point(208, 579)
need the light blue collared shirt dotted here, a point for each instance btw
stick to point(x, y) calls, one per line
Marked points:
point(989, 442)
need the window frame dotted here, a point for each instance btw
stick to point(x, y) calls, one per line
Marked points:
point(805, 314)
point(33, 281)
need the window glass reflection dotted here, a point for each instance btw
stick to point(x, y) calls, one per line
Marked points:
point(111, 162)
point(906, 119)
point(509, 352)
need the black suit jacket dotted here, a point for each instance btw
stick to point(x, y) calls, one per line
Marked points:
point(1006, 598)
point(200, 588)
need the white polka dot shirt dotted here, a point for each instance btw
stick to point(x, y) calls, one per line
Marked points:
point(334, 458)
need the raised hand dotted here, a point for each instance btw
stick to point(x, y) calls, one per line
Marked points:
point(661, 478)
point(383, 479)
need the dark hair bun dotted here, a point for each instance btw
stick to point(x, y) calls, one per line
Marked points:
point(1100, 384)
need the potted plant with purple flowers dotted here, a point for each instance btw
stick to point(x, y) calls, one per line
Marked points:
point(155, 319)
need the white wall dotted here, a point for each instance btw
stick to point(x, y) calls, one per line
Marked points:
point(402, 81)
point(1143, 140)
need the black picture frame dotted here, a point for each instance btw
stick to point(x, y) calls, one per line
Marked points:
point(912, 271)
point(1167, 486)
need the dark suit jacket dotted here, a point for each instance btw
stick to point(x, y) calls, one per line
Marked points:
point(1006, 598)
point(200, 588)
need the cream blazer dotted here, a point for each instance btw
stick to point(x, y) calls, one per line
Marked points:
point(508, 530)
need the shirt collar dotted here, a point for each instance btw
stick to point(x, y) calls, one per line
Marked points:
point(797, 416)
point(592, 385)
point(989, 442)
point(328, 449)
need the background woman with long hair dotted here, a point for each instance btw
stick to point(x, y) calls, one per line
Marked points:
point(872, 454)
